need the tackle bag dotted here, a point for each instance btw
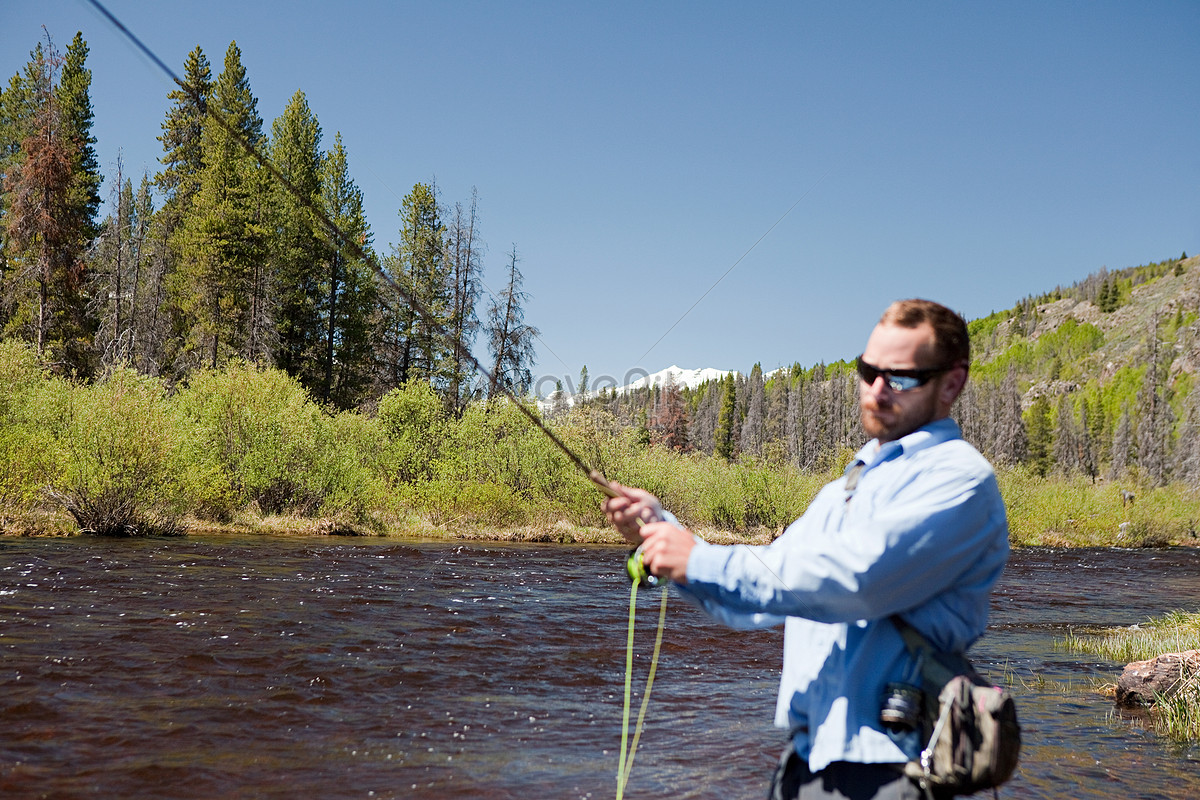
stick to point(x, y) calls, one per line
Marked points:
point(974, 740)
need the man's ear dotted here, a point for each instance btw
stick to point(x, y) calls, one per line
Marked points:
point(951, 386)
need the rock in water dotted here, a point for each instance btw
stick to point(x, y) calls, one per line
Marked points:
point(1142, 681)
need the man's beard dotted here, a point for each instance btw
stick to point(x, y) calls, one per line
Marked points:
point(890, 421)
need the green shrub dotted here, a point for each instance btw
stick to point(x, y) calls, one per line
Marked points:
point(711, 492)
point(496, 443)
point(415, 424)
point(1074, 512)
point(258, 430)
point(124, 471)
point(349, 466)
point(445, 502)
point(28, 452)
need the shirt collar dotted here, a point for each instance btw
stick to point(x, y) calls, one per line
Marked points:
point(936, 432)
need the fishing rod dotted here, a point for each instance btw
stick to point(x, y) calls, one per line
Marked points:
point(634, 566)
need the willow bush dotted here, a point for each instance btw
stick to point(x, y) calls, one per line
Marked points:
point(124, 468)
point(710, 492)
point(28, 458)
point(125, 456)
point(445, 502)
point(349, 467)
point(275, 449)
point(414, 421)
point(496, 443)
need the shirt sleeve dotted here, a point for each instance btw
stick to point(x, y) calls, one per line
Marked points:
point(920, 538)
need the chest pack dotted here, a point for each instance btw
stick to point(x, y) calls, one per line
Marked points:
point(974, 741)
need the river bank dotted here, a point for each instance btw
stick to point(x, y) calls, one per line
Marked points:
point(57, 523)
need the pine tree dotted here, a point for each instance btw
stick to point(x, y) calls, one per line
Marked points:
point(113, 265)
point(777, 410)
point(223, 287)
point(348, 291)
point(299, 253)
point(813, 421)
point(47, 227)
point(75, 108)
point(1155, 417)
point(723, 437)
point(1099, 430)
point(1066, 438)
point(464, 264)
point(16, 115)
point(510, 340)
point(794, 425)
point(183, 133)
point(179, 182)
point(1012, 444)
point(1187, 448)
point(1040, 431)
point(670, 422)
point(703, 425)
point(18, 109)
point(967, 412)
point(1088, 462)
point(18, 105)
point(845, 418)
point(414, 345)
point(1122, 445)
point(753, 433)
point(126, 286)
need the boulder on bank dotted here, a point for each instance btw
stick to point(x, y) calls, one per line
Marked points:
point(1143, 681)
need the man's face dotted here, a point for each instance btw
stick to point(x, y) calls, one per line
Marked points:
point(888, 414)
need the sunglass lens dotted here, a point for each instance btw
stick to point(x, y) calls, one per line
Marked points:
point(902, 383)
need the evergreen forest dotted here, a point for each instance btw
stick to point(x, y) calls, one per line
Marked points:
point(218, 258)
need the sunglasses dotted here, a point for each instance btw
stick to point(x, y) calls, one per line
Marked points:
point(898, 380)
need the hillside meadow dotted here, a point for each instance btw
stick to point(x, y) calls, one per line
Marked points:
point(245, 448)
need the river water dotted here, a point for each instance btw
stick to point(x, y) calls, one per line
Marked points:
point(230, 667)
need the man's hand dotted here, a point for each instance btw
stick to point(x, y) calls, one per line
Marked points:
point(638, 516)
point(665, 550)
point(634, 505)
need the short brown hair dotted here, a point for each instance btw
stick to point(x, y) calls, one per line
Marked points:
point(951, 341)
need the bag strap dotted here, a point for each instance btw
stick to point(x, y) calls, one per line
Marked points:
point(934, 667)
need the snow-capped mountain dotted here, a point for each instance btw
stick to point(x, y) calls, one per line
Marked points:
point(691, 378)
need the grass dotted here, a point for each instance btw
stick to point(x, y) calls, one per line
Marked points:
point(1174, 714)
point(1075, 512)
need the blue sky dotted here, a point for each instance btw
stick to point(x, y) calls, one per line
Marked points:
point(971, 152)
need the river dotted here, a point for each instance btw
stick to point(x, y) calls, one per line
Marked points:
point(239, 667)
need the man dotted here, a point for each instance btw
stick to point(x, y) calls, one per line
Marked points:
point(915, 528)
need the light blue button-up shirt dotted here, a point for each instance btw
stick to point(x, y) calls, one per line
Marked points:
point(923, 535)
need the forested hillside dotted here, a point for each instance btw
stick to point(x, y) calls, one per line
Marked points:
point(1094, 379)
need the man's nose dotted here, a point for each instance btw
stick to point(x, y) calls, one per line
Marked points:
point(879, 385)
